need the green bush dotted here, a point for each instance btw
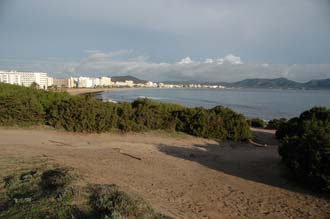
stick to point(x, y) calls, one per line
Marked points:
point(107, 201)
point(287, 128)
point(276, 123)
point(235, 125)
point(20, 108)
point(26, 106)
point(305, 147)
point(55, 179)
point(257, 123)
point(23, 197)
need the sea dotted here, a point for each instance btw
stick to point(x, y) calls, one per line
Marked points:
point(266, 104)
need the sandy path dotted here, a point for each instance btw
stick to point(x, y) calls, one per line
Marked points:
point(184, 177)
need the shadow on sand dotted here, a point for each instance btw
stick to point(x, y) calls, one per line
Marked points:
point(243, 160)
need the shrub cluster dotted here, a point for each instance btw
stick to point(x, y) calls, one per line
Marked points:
point(305, 147)
point(107, 201)
point(34, 194)
point(55, 179)
point(27, 106)
point(24, 196)
point(257, 123)
point(276, 123)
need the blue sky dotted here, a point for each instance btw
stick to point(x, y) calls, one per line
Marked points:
point(222, 40)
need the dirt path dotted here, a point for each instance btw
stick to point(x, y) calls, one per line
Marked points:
point(184, 177)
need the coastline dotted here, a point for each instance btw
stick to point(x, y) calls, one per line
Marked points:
point(86, 91)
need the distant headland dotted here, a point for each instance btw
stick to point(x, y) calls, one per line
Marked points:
point(276, 83)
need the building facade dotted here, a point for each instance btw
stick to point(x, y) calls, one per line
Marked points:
point(85, 82)
point(24, 78)
point(105, 81)
point(60, 82)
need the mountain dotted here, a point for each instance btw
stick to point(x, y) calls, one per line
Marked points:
point(276, 83)
point(318, 84)
point(267, 83)
point(127, 78)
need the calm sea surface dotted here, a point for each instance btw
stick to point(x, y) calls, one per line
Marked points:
point(263, 103)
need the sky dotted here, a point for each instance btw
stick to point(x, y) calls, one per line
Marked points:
point(205, 40)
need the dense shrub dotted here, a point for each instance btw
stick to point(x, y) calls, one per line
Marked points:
point(27, 106)
point(20, 107)
point(276, 123)
point(23, 197)
point(109, 202)
point(235, 124)
point(305, 147)
point(149, 114)
point(55, 179)
point(257, 123)
point(287, 128)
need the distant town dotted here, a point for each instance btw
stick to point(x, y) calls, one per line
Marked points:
point(43, 81)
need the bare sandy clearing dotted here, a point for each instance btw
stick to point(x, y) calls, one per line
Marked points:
point(183, 177)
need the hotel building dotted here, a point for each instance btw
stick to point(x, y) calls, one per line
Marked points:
point(24, 78)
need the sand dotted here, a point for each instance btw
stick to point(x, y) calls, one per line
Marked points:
point(182, 176)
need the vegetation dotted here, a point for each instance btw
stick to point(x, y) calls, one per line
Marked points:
point(24, 195)
point(275, 123)
point(26, 106)
point(271, 124)
point(109, 202)
point(305, 147)
point(257, 123)
point(55, 179)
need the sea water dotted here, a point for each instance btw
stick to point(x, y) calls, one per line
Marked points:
point(262, 103)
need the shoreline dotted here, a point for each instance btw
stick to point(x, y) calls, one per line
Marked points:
point(86, 91)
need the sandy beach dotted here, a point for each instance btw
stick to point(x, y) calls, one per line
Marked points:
point(179, 175)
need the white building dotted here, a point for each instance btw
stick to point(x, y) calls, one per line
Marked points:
point(24, 78)
point(85, 82)
point(151, 84)
point(96, 82)
point(105, 81)
point(50, 81)
point(127, 83)
point(10, 78)
point(72, 82)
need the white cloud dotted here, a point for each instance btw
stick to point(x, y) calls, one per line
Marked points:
point(186, 60)
point(232, 59)
point(228, 68)
point(228, 59)
point(208, 61)
point(125, 62)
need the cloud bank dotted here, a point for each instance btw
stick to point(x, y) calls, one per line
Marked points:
point(228, 68)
